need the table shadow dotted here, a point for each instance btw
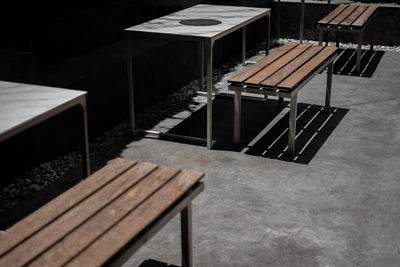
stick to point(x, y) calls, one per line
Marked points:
point(155, 263)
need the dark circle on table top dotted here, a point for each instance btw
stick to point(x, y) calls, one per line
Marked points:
point(200, 22)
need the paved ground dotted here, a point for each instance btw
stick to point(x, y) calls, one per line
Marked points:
point(336, 204)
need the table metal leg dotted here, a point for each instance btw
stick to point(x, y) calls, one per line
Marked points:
point(244, 45)
point(201, 67)
point(328, 88)
point(292, 123)
point(237, 112)
point(360, 40)
point(302, 21)
point(186, 231)
point(130, 81)
point(85, 141)
point(209, 50)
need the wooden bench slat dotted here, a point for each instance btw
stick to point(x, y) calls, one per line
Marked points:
point(333, 14)
point(350, 19)
point(75, 242)
point(55, 208)
point(284, 72)
point(307, 69)
point(242, 76)
point(276, 65)
point(343, 15)
point(364, 16)
point(60, 227)
point(112, 241)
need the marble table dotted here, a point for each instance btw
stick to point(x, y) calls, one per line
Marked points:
point(204, 24)
point(24, 105)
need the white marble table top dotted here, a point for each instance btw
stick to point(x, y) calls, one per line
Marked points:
point(23, 105)
point(231, 17)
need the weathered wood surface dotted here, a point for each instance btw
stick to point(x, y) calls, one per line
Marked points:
point(285, 71)
point(90, 222)
point(348, 16)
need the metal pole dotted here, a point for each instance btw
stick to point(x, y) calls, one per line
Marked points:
point(237, 117)
point(130, 81)
point(244, 45)
point(278, 20)
point(268, 33)
point(328, 88)
point(209, 49)
point(292, 123)
point(186, 231)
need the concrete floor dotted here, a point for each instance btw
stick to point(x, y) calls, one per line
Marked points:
point(340, 209)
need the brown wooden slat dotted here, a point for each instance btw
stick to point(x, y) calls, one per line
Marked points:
point(364, 16)
point(276, 65)
point(350, 19)
point(343, 15)
point(53, 232)
point(113, 240)
point(41, 217)
point(75, 242)
point(307, 69)
point(284, 72)
point(328, 18)
point(242, 76)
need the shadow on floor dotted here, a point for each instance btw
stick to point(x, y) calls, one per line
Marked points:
point(313, 128)
point(346, 62)
point(155, 263)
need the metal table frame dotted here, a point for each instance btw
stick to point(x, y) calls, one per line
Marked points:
point(77, 101)
point(206, 53)
point(238, 89)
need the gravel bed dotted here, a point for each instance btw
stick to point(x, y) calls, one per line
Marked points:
point(49, 172)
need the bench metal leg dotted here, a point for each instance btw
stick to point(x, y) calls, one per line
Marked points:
point(337, 38)
point(209, 50)
point(201, 65)
point(280, 101)
point(237, 117)
point(292, 123)
point(328, 88)
point(360, 40)
point(320, 37)
point(244, 45)
point(186, 229)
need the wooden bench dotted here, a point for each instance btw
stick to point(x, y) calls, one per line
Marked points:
point(105, 218)
point(283, 73)
point(348, 18)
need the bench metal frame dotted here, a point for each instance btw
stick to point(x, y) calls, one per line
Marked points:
point(184, 206)
point(239, 88)
point(358, 31)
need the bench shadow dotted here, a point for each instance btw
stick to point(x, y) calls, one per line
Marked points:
point(345, 64)
point(155, 263)
point(313, 126)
